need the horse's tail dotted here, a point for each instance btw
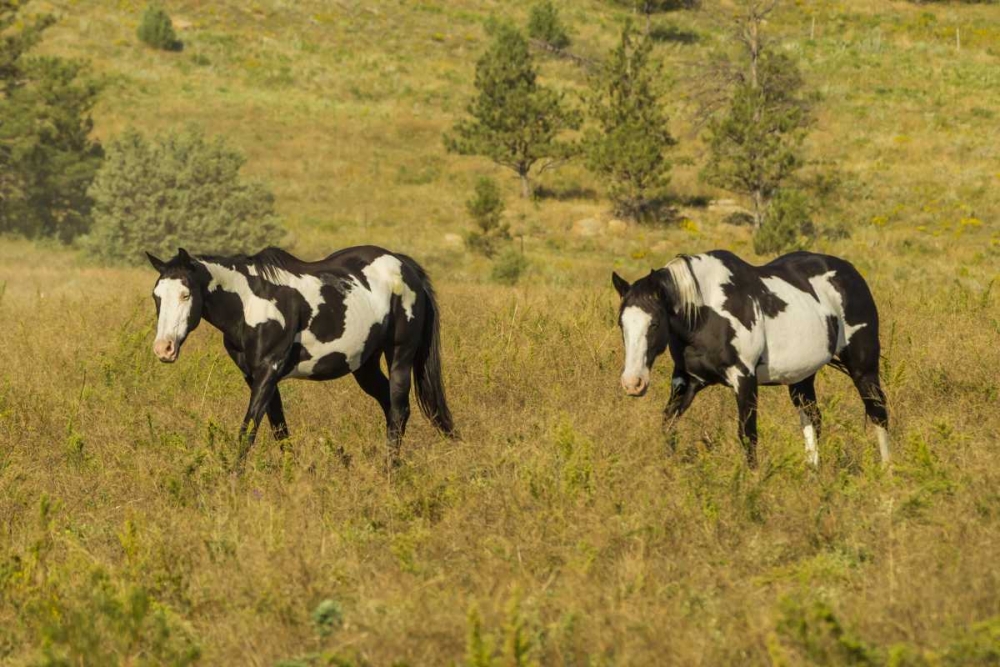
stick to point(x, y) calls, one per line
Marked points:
point(427, 362)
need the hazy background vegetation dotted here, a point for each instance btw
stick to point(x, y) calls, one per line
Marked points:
point(563, 528)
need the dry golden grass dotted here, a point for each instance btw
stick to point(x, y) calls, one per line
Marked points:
point(563, 507)
point(563, 525)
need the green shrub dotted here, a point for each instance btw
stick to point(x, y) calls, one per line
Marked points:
point(486, 209)
point(508, 267)
point(157, 30)
point(545, 25)
point(179, 189)
point(788, 226)
point(811, 631)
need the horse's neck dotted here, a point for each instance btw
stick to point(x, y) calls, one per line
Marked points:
point(219, 312)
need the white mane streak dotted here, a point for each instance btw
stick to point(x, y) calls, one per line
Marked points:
point(688, 293)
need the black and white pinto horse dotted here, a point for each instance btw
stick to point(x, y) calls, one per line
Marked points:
point(728, 322)
point(282, 317)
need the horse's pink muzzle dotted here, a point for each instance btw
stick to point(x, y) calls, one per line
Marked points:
point(166, 351)
point(635, 386)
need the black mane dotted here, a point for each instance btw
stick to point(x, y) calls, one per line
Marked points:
point(266, 263)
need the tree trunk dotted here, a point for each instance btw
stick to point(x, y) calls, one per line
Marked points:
point(525, 185)
point(759, 208)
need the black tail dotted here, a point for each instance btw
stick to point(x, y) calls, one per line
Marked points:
point(427, 363)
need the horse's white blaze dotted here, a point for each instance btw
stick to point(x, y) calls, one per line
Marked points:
point(809, 433)
point(175, 309)
point(635, 326)
point(256, 310)
point(365, 308)
point(883, 444)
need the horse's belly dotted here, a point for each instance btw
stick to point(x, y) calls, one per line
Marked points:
point(329, 367)
point(795, 348)
point(318, 360)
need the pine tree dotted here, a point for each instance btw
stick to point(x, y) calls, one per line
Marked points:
point(545, 25)
point(157, 30)
point(515, 121)
point(47, 158)
point(627, 147)
point(755, 145)
point(486, 209)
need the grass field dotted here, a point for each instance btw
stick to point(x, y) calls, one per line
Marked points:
point(563, 528)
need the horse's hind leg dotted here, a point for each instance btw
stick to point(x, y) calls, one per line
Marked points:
point(868, 385)
point(400, 361)
point(373, 382)
point(861, 358)
point(804, 398)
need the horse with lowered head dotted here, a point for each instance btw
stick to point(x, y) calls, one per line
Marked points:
point(727, 322)
point(282, 317)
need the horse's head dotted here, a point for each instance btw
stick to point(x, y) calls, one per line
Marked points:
point(644, 318)
point(178, 294)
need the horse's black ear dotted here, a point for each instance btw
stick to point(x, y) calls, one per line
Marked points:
point(157, 263)
point(621, 285)
point(183, 255)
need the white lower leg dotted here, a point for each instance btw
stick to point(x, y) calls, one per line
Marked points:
point(809, 432)
point(883, 443)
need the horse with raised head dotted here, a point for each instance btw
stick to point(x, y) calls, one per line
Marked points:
point(282, 317)
point(727, 322)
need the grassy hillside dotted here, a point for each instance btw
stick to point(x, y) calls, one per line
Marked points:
point(563, 525)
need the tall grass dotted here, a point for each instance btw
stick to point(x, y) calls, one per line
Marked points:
point(563, 528)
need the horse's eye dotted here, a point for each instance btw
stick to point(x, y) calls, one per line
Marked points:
point(654, 326)
point(186, 297)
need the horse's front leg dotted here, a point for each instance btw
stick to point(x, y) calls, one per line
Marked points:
point(275, 410)
point(683, 389)
point(263, 389)
point(746, 403)
point(276, 415)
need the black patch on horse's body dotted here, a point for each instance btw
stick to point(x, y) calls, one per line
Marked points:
point(746, 291)
point(832, 334)
point(271, 350)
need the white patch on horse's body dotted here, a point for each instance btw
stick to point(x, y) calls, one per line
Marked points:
point(310, 287)
point(712, 275)
point(809, 433)
point(364, 308)
point(635, 325)
point(256, 310)
point(175, 309)
point(796, 339)
point(388, 270)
